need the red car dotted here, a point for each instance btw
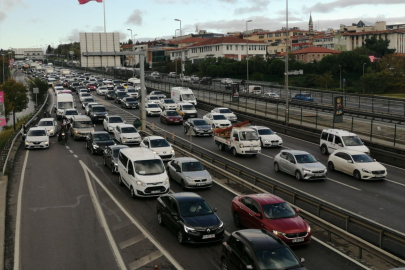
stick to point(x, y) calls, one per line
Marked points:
point(91, 87)
point(171, 117)
point(272, 213)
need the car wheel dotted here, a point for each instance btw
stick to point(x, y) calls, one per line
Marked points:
point(133, 196)
point(224, 264)
point(221, 147)
point(236, 220)
point(276, 167)
point(92, 150)
point(104, 163)
point(180, 237)
point(357, 175)
point(298, 175)
point(234, 153)
point(183, 186)
point(120, 181)
point(324, 150)
point(159, 218)
point(331, 167)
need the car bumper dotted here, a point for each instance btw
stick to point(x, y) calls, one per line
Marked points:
point(194, 185)
point(296, 241)
point(250, 150)
point(165, 157)
point(272, 144)
point(152, 191)
point(203, 132)
point(174, 121)
point(31, 145)
point(373, 177)
point(131, 142)
point(197, 237)
point(313, 176)
point(80, 135)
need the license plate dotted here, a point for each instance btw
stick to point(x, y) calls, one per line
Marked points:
point(200, 184)
point(274, 143)
point(379, 175)
point(155, 191)
point(208, 236)
point(318, 174)
point(176, 121)
point(298, 240)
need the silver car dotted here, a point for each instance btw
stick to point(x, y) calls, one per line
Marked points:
point(189, 172)
point(301, 164)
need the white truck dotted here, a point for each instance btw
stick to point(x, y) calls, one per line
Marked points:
point(64, 72)
point(255, 89)
point(49, 70)
point(240, 140)
point(183, 94)
point(63, 102)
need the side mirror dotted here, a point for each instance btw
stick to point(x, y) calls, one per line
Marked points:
point(302, 260)
point(215, 209)
point(258, 215)
point(125, 122)
point(297, 210)
point(340, 144)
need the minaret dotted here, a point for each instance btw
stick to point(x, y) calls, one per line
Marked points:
point(310, 30)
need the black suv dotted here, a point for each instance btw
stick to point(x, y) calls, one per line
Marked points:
point(97, 141)
point(190, 217)
point(258, 249)
point(97, 113)
point(206, 80)
point(119, 96)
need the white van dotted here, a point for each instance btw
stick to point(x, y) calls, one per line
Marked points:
point(63, 102)
point(186, 110)
point(255, 89)
point(338, 139)
point(143, 172)
point(183, 94)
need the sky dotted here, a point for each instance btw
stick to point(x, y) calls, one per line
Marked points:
point(36, 23)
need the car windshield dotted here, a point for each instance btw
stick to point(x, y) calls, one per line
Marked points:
point(171, 101)
point(219, 117)
point(115, 120)
point(352, 140)
point(87, 100)
point(278, 210)
point(85, 95)
point(101, 137)
point(225, 111)
point(188, 107)
point(193, 166)
point(98, 109)
point(153, 105)
point(200, 123)
point(131, 91)
point(37, 132)
point(130, 100)
point(45, 123)
point(153, 98)
point(172, 113)
point(188, 97)
point(159, 143)
point(248, 136)
point(277, 258)
point(149, 167)
point(305, 158)
point(157, 93)
point(111, 92)
point(83, 124)
point(128, 130)
point(363, 158)
point(65, 105)
point(196, 207)
point(265, 132)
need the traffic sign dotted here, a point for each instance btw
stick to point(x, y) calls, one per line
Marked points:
point(190, 132)
point(35, 90)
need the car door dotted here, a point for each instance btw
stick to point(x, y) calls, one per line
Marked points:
point(244, 209)
point(105, 123)
point(338, 161)
point(174, 165)
point(145, 143)
point(283, 161)
point(117, 133)
point(331, 143)
point(235, 256)
point(349, 165)
point(338, 143)
point(256, 222)
point(164, 208)
point(290, 164)
point(173, 216)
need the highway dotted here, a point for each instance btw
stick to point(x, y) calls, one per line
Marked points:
point(75, 216)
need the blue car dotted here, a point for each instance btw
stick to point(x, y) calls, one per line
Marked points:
point(303, 97)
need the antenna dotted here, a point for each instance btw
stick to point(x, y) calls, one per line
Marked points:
point(196, 29)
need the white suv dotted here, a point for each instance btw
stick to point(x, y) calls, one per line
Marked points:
point(143, 172)
point(338, 139)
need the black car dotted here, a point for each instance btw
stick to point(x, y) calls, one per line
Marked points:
point(199, 125)
point(97, 113)
point(119, 96)
point(97, 141)
point(110, 94)
point(190, 217)
point(129, 103)
point(257, 249)
point(72, 85)
point(110, 157)
point(206, 80)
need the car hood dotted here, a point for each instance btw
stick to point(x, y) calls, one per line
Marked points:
point(203, 127)
point(221, 121)
point(210, 220)
point(313, 166)
point(360, 148)
point(156, 178)
point(49, 127)
point(37, 138)
point(161, 150)
point(114, 124)
point(270, 137)
point(104, 143)
point(130, 135)
point(84, 130)
point(99, 113)
point(372, 166)
point(288, 225)
point(197, 174)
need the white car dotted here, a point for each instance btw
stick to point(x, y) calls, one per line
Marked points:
point(132, 92)
point(167, 104)
point(159, 94)
point(69, 113)
point(102, 90)
point(111, 121)
point(152, 109)
point(194, 78)
point(49, 124)
point(357, 164)
point(37, 137)
point(271, 95)
point(126, 134)
point(227, 112)
point(84, 95)
point(158, 145)
point(268, 138)
point(108, 81)
point(217, 120)
point(58, 89)
point(185, 79)
point(226, 81)
point(152, 98)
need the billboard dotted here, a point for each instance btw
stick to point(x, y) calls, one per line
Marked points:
point(338, 109)
point(100, 50)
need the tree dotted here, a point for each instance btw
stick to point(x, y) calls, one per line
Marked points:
point(15, 97)
point(325, 79)
point(42, 88)
point(130, 42)
point(49, 49)
point(378, 46)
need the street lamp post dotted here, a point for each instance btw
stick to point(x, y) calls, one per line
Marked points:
point(132, 45)
point(247, 56)
point(133, 49)
point(175, 60)
point(181, 53)
point(363, 75)
point(287, 114)
point(340, 76)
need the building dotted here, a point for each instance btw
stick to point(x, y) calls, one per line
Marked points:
point(311, 54)
point(28, 53)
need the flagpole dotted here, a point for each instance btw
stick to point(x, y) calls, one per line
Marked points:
point(104, 15)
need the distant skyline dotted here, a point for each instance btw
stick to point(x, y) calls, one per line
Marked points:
point(39, 23)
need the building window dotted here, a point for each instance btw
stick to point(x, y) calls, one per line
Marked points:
point(269, 35)
point(241, 47)
point(269, 51)
point(261, 36)
point(278, 35)
point(236, 47)
point(227, 47)
point(284, 34)
point(282, 50)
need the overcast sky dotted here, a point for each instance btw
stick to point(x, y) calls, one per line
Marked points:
point(34, 23)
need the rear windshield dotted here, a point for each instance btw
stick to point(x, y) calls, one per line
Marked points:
point(98, 109)
point(159, 143)
point(45, 123)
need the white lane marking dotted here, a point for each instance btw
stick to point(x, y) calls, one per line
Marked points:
point(393, 166)
point(67, 147)
point(395, 182)
point(18, 218)
point(343, 184)
point(121, 225)
point(145, 260)
point(135, 222)
point(227, 233)
point(340, 253)
point(131, 241)
point(266, 155)
point(100, 213)
point(75, 156)
point(71, 151)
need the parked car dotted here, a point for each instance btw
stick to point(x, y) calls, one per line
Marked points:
point(129, 103)
point(217, 120)
point(357, 164)
point(159, 146)
point(258, 249)
point(171, 117)
point(303, 97)
point(126, 134)
point(97, 141)
point(110, 157)
point(189, 173)
point(200, 127)
point(37, 137)
point(227, 112)
point(190, 217)
point(111, 121)
point(268, 138)
point(301, 164)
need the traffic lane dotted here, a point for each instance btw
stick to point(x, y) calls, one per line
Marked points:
point(58, 217)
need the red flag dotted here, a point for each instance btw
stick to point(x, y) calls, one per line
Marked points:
point(81, 2)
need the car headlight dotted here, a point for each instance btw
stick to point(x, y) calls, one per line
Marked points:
point(172, 151)
point(241, 146)
point(27, 142)
point(308, 229)
point(51, 131)
point(306, 170)
point(266, 141)
point(140, 183)
point(366, 171)
point(124, 138)
point(95, 146)
point(188, 229)
point(167, 181)
point(278, 233)
point(221, 225)
point(154, 152)
point(190, 179)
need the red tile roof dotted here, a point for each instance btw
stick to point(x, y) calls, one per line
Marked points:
point(316, 50)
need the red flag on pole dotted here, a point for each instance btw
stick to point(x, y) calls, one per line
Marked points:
point(81, 2)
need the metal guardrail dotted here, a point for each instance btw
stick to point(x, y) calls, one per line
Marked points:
point(384, 241)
